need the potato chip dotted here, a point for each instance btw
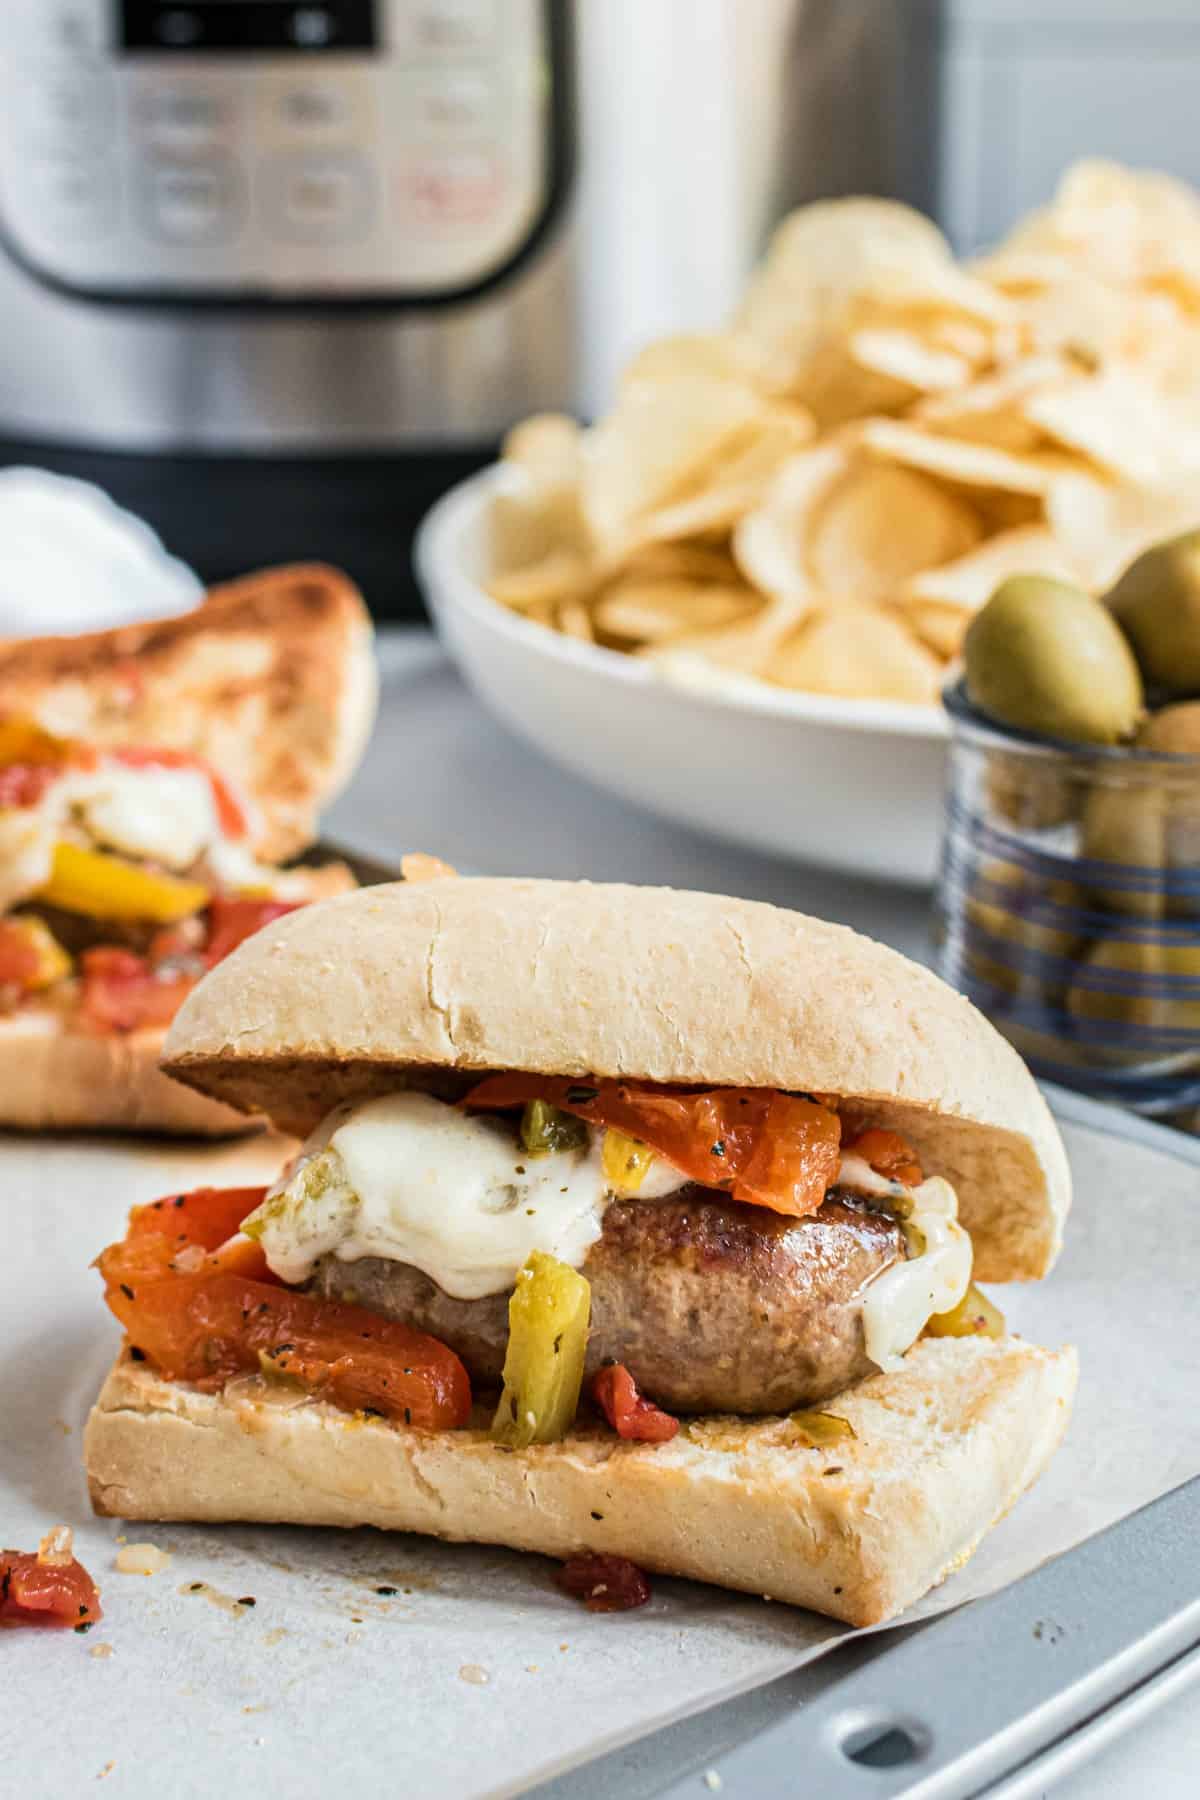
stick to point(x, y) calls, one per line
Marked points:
point(840, 526)
point(743, 648)
point(558, 576)
point(1117, 420)
point(819, 259)
point(574, 620)
point(993, 411)
point(858, 653)
point(723, 491)
point(1102, 526)
point(961, 462)
point(967, 582)
point(879, 525)
point(653, 561)
point(769, 545)
point(937, 624)
point(726, 355)
point(654, 444)
point(648, 612)
point(548, 448)
point(908, 360)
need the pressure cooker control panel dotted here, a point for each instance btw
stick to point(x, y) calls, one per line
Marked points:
point(327, 150)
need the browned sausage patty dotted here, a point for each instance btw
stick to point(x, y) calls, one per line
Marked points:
point(711, 1306)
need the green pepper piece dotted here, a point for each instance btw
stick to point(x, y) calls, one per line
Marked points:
point(545, 1128)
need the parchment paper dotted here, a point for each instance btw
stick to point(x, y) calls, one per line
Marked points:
point(478, 1677)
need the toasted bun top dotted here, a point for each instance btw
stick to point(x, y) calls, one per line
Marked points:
point(271, 678)
point(556, 977)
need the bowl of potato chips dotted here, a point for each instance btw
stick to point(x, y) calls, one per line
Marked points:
point(736, 597)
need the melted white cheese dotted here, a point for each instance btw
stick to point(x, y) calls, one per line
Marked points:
point(898, 1304)
point(415, 1180)
point(167, 816)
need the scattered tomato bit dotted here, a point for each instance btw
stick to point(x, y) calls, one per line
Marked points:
point(48, 1587)
point(631, 1415)
point(604, 1583)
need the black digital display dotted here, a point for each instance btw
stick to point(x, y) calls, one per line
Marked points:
point(305, 27)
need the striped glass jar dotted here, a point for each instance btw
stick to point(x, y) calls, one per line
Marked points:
point(1069, 909)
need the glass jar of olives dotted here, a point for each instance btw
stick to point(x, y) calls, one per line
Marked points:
point(1069, 904)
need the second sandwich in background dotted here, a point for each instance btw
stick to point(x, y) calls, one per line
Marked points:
point(633, 1224)
point(152, 777)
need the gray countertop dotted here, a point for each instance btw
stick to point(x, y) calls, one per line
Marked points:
point(442, 777)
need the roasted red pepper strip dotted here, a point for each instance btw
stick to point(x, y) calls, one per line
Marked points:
point(762, 1146)
point(231, 922)
point(206, 1216)
point(628, 1412)
point(604, 1583)
point(889, 1154)
point(199, 1302)
point(20, 959)
point(35, 1592)
point(208, 1327)
point(121, 992)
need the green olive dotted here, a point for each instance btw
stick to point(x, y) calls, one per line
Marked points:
point(1127, 826)
point(1007, 945)
point(1046, 657)
point(1148, 818)
point(1173, 731)
point(1142, 1004)
point(1156, 602)
point(1031, 791)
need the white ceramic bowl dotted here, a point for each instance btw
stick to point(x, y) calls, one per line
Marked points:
point(845, 784)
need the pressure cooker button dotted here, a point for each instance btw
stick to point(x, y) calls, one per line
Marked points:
point(191, 202)
point(318, 199)
point(183, 117)
point(446, 104)
point(73, 196)
point(66, 108)
point(451, 27)
point(460, 188)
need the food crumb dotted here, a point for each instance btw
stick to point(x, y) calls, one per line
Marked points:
point(100, 1651)
point(712, 1781)
point(141, 1559)
point(564, 1646)
point(61, 1425)
point(106, 1770)
point(531, 1668)
point(472, 1672)
point(354, 1637)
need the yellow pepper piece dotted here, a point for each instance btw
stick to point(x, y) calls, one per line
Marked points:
point(108, 887)
point(24, 741)
point(625, 1161)
point(974, 1316)
point(53, 963)
point(547, 1342)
